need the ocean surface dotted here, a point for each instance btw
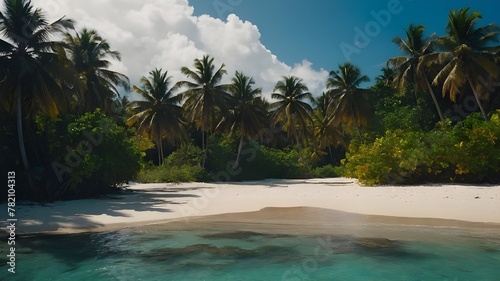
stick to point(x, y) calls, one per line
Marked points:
point(219, 249)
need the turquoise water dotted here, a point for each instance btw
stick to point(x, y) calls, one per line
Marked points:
point(156, 253)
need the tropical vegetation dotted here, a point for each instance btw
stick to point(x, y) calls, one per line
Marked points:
point(70, 128)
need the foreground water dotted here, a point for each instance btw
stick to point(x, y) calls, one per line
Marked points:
point(231, 251)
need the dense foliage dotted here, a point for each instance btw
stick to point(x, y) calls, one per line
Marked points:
point(69, 130)
point(466, 152)
point(182, 165)
point(102, 154)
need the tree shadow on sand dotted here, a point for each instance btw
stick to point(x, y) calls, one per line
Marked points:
point(76, 214)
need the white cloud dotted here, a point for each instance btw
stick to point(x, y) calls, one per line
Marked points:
point(314, 79)
point(165, 34)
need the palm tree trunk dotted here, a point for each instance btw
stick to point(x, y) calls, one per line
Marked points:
point(20, 138)
point(203, 148)
point(299, 148)
point(203, 145)
point(159, 150)
point(330, 152)
point(477, 100)
point(415, 86)
point(296, 135)
point(20, 135)
point(206, 146)
point(441, 117)
point(240, 146)
point(159, 146)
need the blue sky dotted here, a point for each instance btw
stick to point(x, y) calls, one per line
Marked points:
point(295, 30)
point(266, 39)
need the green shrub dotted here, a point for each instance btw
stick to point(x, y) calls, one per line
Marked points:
point(256, 161)
point(182, 165)
point(388, 159)
point(477, 151)
point(186, 154)
point(467, 152)
point(281, 164)
point(99, 155)
point(166, 173)
point(405, 117)
point(327, 171)
point(221, 156)
point(402, 111)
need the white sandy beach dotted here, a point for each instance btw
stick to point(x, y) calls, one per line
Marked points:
point(149, 203)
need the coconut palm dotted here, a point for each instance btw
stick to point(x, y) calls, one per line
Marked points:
point(248, 114)
point(387, 77)
point(35, 67)
point(414, 48)
point(291, 109)
point(120, 106)
point(468, 58)
point(351, 107)
point(325, 133)
point(159, 115)
point(205, 97)
point(91, 55)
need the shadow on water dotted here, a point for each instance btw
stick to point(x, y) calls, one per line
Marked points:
point(214, 257)
point(242, 235)
point(377, 248)
point(74, 250)
point(70, 250)
point(206, 255)
point(213, 250)
point(214, 244)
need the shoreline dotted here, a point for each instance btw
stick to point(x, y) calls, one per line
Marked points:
point(149, 204)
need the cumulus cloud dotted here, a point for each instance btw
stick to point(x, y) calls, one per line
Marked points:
point(165, 34)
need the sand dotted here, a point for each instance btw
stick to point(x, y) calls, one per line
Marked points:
point(142, 204)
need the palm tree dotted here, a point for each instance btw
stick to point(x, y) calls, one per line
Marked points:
point(467, 58)
point(120, 106)
point(290, 110)
point(90, 54)
point(414, 47)
point(205, 97)
point(325, 133)
point(350, 104)
point(248, 114)
point(387, 77)
point(159, 115)
point(35, 68)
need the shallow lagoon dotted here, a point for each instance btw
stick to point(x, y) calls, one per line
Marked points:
point(247, 247)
